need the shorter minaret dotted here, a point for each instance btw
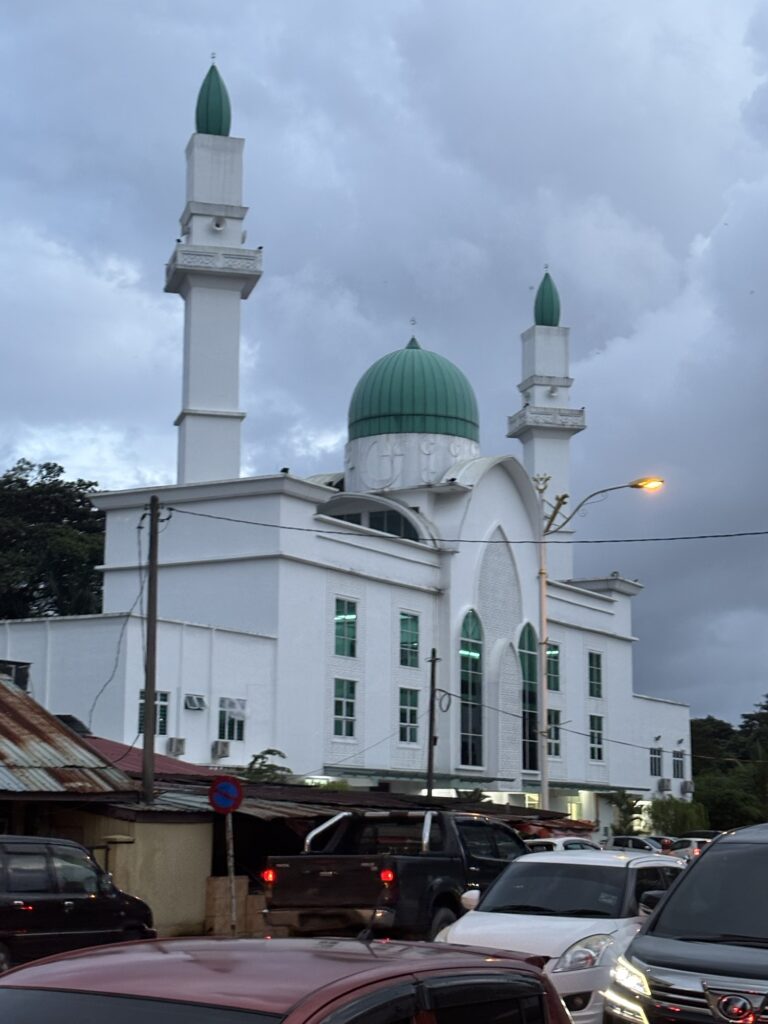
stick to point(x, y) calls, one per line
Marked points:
point(213, 272)
point(546, 424)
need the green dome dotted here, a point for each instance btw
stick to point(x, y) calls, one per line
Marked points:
point(213, 114)
point(413, 391)
point(546, 308)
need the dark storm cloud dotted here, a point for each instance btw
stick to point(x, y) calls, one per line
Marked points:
point(423, 160)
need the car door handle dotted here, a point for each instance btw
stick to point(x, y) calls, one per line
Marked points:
point(68, 905)
point(474, 869)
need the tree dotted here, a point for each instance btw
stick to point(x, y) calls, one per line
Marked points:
point(629, 813)
point(714, 744)
point(51, 541)
point(672, 817)
point(731, 800)
point(260, 769)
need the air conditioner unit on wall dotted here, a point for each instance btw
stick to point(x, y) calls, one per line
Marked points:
point(219, 749)
point(195, 702)
point(687, 786)
point(175, 746)
point(665, 785)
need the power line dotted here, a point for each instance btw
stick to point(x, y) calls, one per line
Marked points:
point(474, 540)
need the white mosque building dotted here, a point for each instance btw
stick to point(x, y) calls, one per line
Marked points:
point(301, 614)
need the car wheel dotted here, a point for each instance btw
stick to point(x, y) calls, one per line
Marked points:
point(442, 918)
point(5, 959)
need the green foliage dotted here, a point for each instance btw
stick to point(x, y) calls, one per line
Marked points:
point(730, 768)
point(260, 768)
point(628, 811)
point(673, 817)
point(51, 540)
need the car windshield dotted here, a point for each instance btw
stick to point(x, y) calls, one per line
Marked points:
point(38, 1006)
point(723, 898)
point(530, 886)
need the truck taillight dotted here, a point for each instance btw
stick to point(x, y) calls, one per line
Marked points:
point(269, 876)
point(387, 875)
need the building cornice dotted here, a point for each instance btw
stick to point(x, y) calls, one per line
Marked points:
point(215, 490)
point(537, 417)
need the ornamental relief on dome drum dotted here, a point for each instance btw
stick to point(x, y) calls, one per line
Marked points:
point(380, 463)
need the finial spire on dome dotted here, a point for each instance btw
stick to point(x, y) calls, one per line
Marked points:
point(546, 308)
point(213, 114)
point(413, 343)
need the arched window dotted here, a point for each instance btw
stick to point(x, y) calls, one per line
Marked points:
point(471, 668)
point(527, 649)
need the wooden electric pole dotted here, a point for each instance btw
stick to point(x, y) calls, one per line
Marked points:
point(150, 668)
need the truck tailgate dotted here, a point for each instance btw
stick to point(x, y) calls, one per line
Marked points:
point(313, 880)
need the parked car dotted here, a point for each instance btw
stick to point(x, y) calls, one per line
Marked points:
point(688, 848)
point(561, 843)
point(398, 873)
point(646, 843)
point(703, 953)
point(55, 897)
point(580, 910)
point(296, 981)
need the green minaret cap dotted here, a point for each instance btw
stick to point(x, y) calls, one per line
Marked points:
point(546, 308)
point(213, 114)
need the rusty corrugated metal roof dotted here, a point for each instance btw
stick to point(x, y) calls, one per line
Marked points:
point(38, 754)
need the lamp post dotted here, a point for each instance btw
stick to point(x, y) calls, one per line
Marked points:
point(546, 527)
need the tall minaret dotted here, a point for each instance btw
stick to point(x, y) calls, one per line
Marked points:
point(546, 424)
point(212, 272)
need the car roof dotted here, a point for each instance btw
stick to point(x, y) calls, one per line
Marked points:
point(603, 858)
point(750, 834)
point(256, 974)
point(37, 841)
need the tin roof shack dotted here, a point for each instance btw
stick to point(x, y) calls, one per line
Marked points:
point(52, 782)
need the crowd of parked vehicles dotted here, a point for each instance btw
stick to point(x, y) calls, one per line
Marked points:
point(554, 931)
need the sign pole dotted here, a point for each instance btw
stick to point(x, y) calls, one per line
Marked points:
point(225, 795)
point(231, 873)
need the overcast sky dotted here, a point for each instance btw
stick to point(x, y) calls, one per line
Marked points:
point(421, 158)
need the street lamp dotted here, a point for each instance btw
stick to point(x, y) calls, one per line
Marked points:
point(547, 526)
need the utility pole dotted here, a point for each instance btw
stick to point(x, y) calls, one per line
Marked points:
point(150, 668)
point(432, 739)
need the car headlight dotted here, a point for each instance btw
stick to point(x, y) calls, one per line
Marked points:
point(626, 976)
point(585, 953)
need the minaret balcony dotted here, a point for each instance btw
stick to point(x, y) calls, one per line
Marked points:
point(536, 417)
point(243, 265)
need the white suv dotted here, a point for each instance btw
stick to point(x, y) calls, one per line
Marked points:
point(636, 843)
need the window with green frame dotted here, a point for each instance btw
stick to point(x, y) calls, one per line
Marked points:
point(595, 673)
point(161, 712)
point(553, 666)
point(527, 650)
point(345, 626)
point(553, 732)
point(471, 688)
point(409, 640)
point(409, 715)
point(596, 737)
point(344, 707)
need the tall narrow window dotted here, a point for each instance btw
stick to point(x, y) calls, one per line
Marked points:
point(595, 673)
point(161, 712)
point(678, 764)
point(345, 626)
point(231, 718)
point(553, 666)
point(344, 707)
point(409, 640)
point(409, 715)
point(655, 761)
point(553, 732)
point(471, 672)
point(596, 737)
point(529, 667)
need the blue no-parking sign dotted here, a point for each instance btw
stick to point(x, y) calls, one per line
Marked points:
point(225, 794)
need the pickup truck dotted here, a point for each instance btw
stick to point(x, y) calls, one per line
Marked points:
point(394, 873)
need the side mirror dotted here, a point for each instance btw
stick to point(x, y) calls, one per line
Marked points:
point(106, 885)
point(649, 901)
point(470, 898)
